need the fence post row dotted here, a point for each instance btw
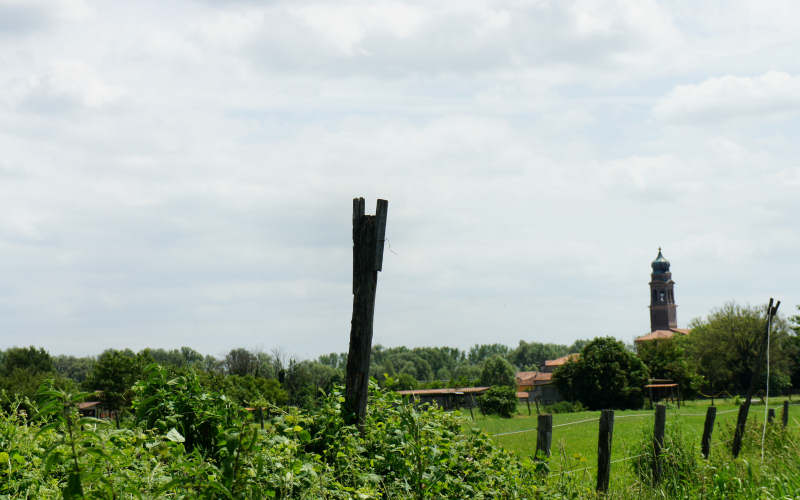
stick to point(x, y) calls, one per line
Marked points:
point(604, 449)
point(544, 434)
point(708, 428)
point(369, 232)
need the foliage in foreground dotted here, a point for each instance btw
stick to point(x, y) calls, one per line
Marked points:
point(192, 443)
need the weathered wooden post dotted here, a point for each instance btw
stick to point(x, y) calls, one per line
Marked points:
point(528, 402)
point(785, 414)
point(261, 416)
point(658, 440)
point(771, 415)
point(708, 428)
point(604, 449)
point(544, 434)
point(369, 232)
point(741, 421)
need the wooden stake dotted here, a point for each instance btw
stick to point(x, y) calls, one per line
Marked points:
point(604, 449)
point(708, 428)
point(544, 434)
point(785, 414)
point(771, 415)
point(368, 239)
point(741, 421)
point(658, 440)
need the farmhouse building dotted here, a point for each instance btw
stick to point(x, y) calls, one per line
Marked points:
point(538, 385)
point(663, 310)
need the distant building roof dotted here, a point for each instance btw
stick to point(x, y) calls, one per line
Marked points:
point(534, 378)
point(448, 390)
point(88, 404)
point(523, 395)
point(662, 334)
point(562, 360)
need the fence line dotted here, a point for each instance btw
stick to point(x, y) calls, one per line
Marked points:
point(596, 419)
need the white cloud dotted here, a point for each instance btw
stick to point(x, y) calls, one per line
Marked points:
point(730, 96)
point(66, 85)
point(198, 189)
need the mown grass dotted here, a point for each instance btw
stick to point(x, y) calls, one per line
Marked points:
point(574, 442)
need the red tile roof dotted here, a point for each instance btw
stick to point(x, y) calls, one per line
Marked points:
point(562, 360)
point(533, 378)
point(662, 334)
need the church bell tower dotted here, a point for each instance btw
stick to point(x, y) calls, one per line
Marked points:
point(662, 300)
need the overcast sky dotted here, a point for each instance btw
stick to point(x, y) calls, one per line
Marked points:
point(182, 173)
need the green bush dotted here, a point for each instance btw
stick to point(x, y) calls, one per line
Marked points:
point(403, 451)
point(499, 400)
point(565, 407)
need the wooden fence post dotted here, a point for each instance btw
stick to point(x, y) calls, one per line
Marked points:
point(708, 428)
point(604, 449)
point(658, 440)
point(770, 415)
point(741, 421)
point(368, 237)
point(544, 434)
point(528, 402)
point(785, 415)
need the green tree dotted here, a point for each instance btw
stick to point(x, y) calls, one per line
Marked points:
point(726, 346)
point(531, 356)
point(113, 375)
point(72, 367)
point(241, 362)
point(481, 352)
point(26, 358)
point(497, 371)
point(607, 375)
point(671, 359)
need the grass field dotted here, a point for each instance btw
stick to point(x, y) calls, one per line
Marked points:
point(574, 444)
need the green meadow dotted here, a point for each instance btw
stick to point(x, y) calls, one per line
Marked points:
point(574, 441)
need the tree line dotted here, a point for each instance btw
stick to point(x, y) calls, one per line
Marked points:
point(716, 358)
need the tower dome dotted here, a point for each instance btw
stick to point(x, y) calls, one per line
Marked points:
point(660, 265)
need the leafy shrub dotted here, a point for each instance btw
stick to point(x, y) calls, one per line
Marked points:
point(403, 452)
point(565, 407)
point(498, 401)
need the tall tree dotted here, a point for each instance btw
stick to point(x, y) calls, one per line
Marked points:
point(30, 359)
point(113, 375)
point(241, 362)
point(726, 346)
point(497, 371)
point(671, 359)
point(481, 352)
point(606, 375)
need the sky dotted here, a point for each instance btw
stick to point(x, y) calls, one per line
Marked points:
point(182, 173)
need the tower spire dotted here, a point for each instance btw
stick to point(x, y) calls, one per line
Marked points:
point(663, 314)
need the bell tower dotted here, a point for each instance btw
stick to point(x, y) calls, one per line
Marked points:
point(662, 300)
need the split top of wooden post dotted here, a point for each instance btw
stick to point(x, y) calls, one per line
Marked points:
point(381, 211)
